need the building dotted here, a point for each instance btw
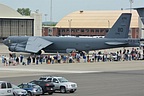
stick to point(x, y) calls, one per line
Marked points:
point(93, 23)
point(14, 24)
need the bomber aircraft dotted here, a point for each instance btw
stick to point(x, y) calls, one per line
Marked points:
point(116, 37)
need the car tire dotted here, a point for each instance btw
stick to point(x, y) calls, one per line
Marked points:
point(29, 94)
point(62, 89)
point(72, 91)
point(43, 92)
point(14, 94)
point(50, 93)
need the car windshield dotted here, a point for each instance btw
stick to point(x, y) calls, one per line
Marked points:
point(42, 79)
point(15, 87)
point(62, 79)
point(36, 86)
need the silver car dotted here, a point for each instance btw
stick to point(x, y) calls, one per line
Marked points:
point(32, 89)
point(6, 88)
point(61, 84)
point(18, 91)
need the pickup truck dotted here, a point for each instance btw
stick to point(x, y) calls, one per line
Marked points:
point(61, 84)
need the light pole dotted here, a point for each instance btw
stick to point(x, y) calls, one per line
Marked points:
point(69, 21)
point(108, 25)
point(51, 11)
point(51, 24)
point(131, 1)
point(45, 17)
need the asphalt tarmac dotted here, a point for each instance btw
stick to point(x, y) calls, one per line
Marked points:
point(124, 78)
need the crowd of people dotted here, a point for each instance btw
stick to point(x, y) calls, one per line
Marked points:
point(74, 57)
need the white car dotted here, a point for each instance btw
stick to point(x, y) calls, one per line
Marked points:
point(61, 84)
point(18, 91)
point(6, 88)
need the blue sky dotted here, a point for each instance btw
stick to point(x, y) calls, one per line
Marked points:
point(61, 8)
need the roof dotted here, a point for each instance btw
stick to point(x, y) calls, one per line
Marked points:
point(95, 19)
point(7, 12)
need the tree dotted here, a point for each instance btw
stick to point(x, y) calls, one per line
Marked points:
point(24, 11)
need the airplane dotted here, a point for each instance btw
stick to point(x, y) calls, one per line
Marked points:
point(116, 37)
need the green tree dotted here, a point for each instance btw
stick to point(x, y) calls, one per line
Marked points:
point(24, 11)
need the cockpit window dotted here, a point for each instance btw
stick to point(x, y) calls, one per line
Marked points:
point(9, 41)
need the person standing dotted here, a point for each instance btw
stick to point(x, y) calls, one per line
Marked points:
point(21, 58)
point(17, 60)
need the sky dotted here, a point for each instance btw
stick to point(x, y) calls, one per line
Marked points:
point(61, 8)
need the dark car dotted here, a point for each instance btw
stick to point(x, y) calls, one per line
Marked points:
point(32, 89)
point(47, 86)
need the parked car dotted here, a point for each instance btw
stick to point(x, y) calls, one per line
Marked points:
point(47, 87)
point(32, 89)
point(6, 88)
point(17, 91)
point(61, 84)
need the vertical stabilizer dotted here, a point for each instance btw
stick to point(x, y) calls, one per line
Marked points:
point(141, 13)
point(120, 29)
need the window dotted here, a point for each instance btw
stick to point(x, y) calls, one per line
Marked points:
point(92, 30)
point(97, 30)
point(42, 79)
point(9, 85)
point(67, 30)
point(87, 30)
point(25, 86)
point(63, 30)
point(55, 80)
point(82, 30)
point(59, 31)
point(101, 30)
point(73, 30)
point(77, 30)
point(3, 85)
point(107, 30)
point(49, 79)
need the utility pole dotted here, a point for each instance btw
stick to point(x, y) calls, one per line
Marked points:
point(51, 27)
point(131, 1)
point(70, 25)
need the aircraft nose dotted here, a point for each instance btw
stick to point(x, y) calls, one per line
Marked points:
point(5, 41)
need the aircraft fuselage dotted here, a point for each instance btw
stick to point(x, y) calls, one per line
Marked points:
point(62, 44)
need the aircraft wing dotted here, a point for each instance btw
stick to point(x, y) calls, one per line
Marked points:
point(116, 43)
point(35, 44)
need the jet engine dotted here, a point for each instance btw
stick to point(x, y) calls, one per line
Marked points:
point(17, 48)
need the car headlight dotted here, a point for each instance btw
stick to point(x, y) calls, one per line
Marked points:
point(68, 86)
point(34, 90)
point(18, 92)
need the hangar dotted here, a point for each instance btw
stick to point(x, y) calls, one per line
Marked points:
point(94, 23)
point(14, 24)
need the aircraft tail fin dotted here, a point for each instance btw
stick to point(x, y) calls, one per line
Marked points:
point(141, 13)
point(120, 29)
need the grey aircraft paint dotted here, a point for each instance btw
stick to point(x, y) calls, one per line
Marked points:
point(116, 37)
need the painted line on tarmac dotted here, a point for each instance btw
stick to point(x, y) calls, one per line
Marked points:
point(46, 70)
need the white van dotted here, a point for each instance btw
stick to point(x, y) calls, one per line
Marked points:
point(6, 88)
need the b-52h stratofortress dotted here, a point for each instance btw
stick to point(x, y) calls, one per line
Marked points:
point(116, 37)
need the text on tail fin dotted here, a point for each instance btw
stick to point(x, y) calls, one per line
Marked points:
point(121, 27)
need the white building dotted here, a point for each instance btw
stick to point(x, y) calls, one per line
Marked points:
point(14, 24)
